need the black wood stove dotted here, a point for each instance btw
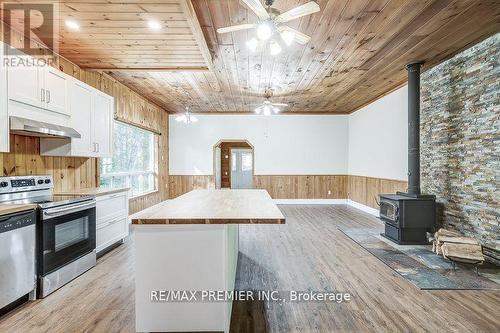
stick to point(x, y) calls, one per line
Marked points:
point(408, 216)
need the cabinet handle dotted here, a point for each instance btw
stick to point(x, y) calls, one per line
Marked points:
point(42, 95)
point(94, 148)
point(97, 146)
point(48, 96)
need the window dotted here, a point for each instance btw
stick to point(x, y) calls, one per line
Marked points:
point(133, 161)
point(246, 161)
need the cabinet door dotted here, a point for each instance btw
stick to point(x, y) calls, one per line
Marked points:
point(25, 85)
point(56, 90)
point(102, 123)
point(81, 118)
point(4, 117)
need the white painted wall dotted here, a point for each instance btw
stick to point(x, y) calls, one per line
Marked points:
point(378, 138)
point(293, 144)
point(369, 142)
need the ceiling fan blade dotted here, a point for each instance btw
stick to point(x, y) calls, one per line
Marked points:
point(235, 28)
point(299, 36)
point(257, 7)
point(306, 9)
point(280, 104)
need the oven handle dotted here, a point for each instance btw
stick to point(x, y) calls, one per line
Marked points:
point(55, 212)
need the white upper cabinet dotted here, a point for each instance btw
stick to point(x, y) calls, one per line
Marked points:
point(38, 92)
point(46, 94)
point(91, 114)
point(25, 85)
point(4, 116)
point(103, 123)
point(80, 96)
point(56, 90)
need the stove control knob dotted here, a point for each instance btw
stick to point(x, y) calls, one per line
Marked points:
point(47, 181)
point(40, 181)
point(4, 184)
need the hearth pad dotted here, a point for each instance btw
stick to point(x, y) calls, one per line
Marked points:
point(422, 267)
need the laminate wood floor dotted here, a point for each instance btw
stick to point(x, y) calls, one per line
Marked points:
point(307, 253)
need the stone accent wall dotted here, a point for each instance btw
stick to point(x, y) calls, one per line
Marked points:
point(460, 141)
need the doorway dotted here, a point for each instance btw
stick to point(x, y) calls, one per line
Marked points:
point(233, 164)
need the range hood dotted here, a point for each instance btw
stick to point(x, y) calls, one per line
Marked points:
point(30, 127)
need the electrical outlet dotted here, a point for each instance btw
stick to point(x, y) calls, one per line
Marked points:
point(329, 192)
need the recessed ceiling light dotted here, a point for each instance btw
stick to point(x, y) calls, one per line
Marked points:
point(154, 25)
point(72, 24)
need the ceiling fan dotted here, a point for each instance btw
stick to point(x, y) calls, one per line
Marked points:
point(271, 23)
point(267, 107)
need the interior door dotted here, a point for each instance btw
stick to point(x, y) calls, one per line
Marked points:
point(81, 118)
point(25, 85)
point(102, 124)
point(241, 168)
point(56, 90)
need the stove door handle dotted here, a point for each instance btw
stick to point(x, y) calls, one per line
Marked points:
point(54, 212)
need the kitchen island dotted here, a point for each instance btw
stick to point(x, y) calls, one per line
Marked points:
point(191, 244)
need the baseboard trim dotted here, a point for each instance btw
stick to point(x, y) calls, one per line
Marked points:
point(310, 201)
point(362, 207)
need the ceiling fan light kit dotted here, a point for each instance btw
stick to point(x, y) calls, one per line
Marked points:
point(186, 118)
point(271, 25)
point(267, 107)
point(252, 44)
point(265, 30)
point(274, 48)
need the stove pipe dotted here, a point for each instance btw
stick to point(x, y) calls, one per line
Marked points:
point(414, 128)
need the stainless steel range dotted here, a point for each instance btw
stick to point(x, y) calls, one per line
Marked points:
point(65, 228)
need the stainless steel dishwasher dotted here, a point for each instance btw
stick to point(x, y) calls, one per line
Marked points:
point(17, 256)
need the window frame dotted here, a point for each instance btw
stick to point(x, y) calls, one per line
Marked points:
point(130, 174)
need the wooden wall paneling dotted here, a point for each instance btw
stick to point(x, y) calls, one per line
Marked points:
point(365, 190)
point(180, 184)
point(281, 186)
point(357, 189)
point(305, 187)
point(372, 192)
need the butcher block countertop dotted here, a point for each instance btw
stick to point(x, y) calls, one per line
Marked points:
point(15, 208)
point(214, 207)
point(94, 191)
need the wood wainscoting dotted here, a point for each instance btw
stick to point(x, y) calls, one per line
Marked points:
point(180, 184)
point(279, 187)
point(303, 186)
point(365, 190)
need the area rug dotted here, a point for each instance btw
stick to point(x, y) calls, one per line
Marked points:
point(422, 267)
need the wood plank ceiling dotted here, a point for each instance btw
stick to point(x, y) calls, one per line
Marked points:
point(357, 52)
point(114, 34)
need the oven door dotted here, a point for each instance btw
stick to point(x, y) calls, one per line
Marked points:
point(68, 232)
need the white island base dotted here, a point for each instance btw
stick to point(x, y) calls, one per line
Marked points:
point(197, 257)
